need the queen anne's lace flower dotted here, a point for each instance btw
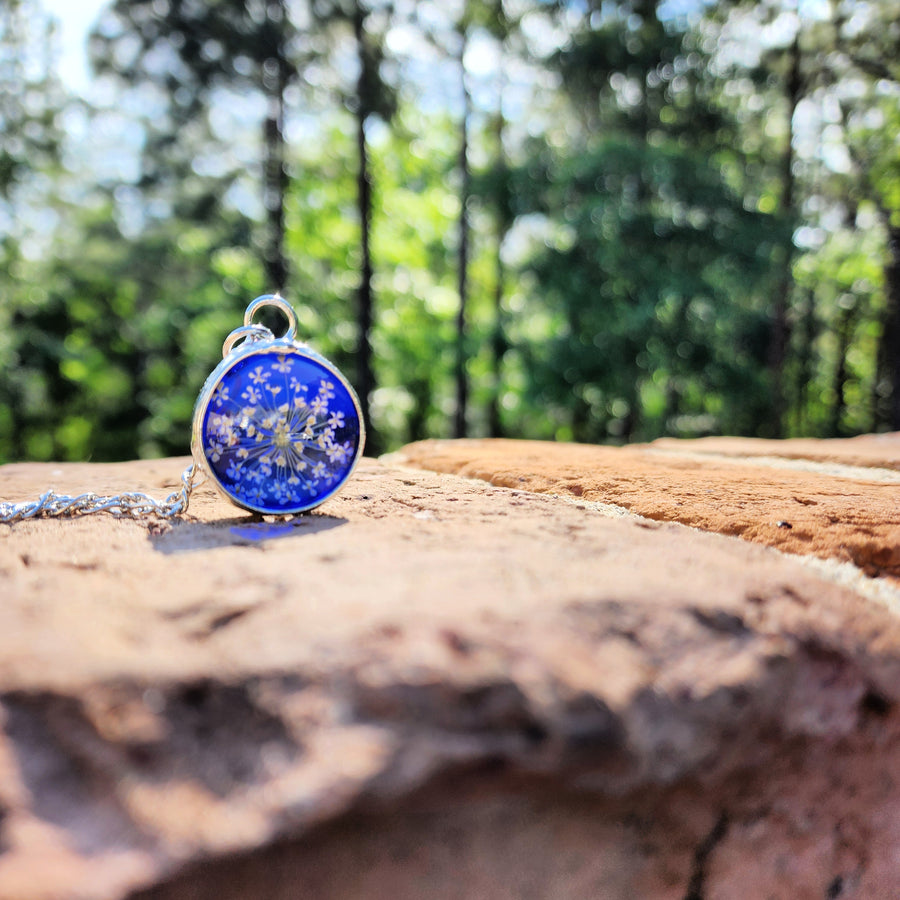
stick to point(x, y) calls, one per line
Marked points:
point(279, 433)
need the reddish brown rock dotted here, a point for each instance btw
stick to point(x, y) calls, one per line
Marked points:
point(851, 515)
point(868, 450)
point(431, 687)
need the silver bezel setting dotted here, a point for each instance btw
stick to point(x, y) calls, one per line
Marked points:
point(253, 346)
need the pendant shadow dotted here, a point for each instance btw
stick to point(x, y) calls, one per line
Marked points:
point(190, 537)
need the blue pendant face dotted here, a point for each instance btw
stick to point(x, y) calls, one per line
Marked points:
point(279, 428)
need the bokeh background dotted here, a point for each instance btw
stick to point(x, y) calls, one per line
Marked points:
point(593, 221)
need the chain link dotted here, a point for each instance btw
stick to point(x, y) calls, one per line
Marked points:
point(134, 504)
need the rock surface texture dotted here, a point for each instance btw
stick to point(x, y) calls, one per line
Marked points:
point(440, 687)
point(832, 499)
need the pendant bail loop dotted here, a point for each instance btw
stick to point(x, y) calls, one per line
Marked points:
point(281, 305)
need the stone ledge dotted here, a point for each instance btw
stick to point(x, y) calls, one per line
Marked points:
point(433, 687)
point(746, 488)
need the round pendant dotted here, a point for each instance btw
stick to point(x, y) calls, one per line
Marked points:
point(277, 426)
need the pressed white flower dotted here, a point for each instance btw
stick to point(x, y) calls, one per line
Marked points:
point(336, 453)
point(259, 375)
point(278, 443)
point(220, 395)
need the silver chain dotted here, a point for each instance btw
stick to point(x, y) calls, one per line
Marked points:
point(134, 504)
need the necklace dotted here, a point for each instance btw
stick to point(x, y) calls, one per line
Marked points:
point(277, 429)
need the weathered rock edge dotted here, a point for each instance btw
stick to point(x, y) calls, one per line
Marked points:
point(802, 737)
point(864, 450)
point(714, 485)
point(470, 693)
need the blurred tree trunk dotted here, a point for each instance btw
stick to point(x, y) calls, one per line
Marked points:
point(890, 334)
point(844, 332)
point(374, 97)
point(780, 312)
point(503, 218)
point(462, 270)
point(503, 27)
point(365, 88)
point(275, 74)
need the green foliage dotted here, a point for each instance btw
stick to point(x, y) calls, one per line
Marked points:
point(628, 220)
point(114, 344)
point(656, 270)
point(839, 395)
